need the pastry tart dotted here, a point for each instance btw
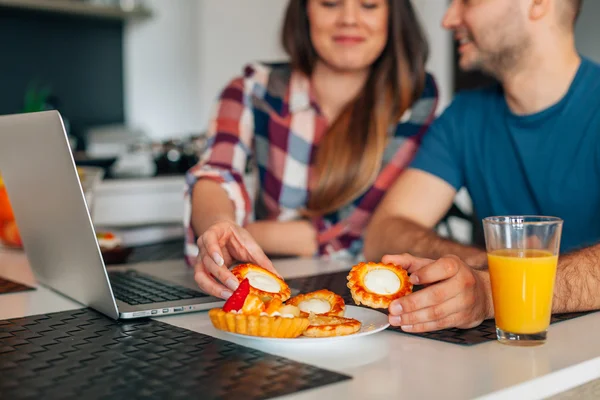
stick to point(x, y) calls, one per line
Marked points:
point(247, 314)
point(327, 326)
point(376, 285)
point(264, 283)
point(321, 302)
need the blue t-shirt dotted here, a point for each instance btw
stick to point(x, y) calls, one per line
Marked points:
point(547, 163)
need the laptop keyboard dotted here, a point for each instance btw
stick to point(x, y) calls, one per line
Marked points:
point(135, 288)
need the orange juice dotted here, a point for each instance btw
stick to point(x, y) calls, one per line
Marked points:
point(522, 289)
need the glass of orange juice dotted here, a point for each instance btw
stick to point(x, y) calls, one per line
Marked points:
point(522, 257)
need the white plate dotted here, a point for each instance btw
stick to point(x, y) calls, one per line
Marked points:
point(372, 321)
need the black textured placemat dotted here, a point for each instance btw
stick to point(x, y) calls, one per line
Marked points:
point(82, 354)
point(336, 282)
point(483, 333)
point(8, 286)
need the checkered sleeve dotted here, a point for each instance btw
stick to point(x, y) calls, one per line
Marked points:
point(224, 160)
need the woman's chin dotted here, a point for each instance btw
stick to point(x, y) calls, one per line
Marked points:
point(349, 65)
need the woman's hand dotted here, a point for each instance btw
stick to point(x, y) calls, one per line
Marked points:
point(221, 245)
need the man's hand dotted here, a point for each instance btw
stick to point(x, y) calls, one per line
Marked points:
point(454, 296)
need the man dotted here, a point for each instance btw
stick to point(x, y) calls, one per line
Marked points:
point(529, 147)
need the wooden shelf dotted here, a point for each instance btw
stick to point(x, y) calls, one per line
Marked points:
point(77, 7)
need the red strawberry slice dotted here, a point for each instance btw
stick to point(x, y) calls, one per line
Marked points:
point(237, 299)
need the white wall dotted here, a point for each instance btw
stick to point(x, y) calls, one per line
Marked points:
point(178, 61)
point(440, 42)
point(162, 88)
point(232, 34)
point(587, 31)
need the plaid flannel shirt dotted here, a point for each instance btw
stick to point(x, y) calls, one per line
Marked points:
point(269, 119)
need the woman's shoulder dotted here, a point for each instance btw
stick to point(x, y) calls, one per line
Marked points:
point(422, 112)
point(426, 103)
point(430, 88)
point(259, 69)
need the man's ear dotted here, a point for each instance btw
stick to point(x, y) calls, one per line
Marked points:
point(538, 9)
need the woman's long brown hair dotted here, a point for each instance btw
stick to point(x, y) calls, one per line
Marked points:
point(349, 156)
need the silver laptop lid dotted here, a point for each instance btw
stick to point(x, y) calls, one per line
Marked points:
point(39, 172)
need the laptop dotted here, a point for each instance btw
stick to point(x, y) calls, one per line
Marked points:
point(58, 235)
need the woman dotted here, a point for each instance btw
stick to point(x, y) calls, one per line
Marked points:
point(329, 133)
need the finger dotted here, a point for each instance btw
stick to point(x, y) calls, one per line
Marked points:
point(442, 269)
point(210, 240)
point(427, 297)
point(228, 260)
point(451, 321)
point(201, 247)
point(430, 314)
point(216, 260)
point(208, 284)
point(406, 261)
point(221, 273)
point(227, 257)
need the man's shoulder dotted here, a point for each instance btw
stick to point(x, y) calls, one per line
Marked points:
point(584, 95)
point(593, 65)
point(591, 74)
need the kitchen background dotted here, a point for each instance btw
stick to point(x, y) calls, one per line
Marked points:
point(136, 81)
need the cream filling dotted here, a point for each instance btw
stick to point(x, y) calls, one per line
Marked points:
point(382, 281)
point(317, 306)
point(263, 282)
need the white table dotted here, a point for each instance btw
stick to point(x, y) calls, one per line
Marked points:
point(387, 364)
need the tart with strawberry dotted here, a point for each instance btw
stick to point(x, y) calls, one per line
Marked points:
point(249, 313)
point(263, 283)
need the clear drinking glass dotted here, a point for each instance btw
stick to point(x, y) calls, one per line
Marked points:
point(522, 257)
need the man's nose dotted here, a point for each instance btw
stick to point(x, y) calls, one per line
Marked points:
point(452, 19)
